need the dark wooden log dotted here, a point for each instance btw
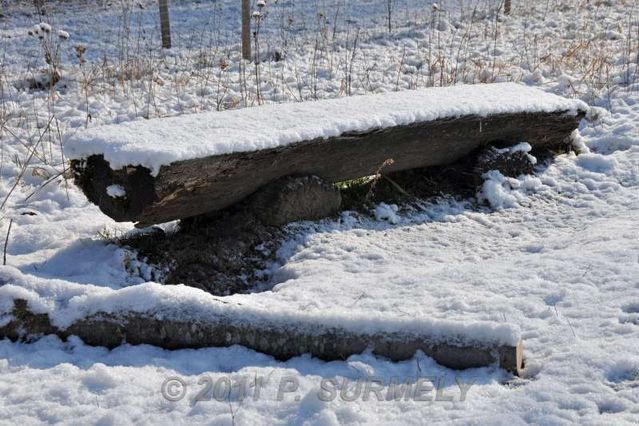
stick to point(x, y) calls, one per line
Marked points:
point(193, 187)
point(325, 343)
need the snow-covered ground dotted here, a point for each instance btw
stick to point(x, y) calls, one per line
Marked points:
point(555, 255)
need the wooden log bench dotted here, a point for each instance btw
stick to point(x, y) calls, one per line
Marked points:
point(159, 170)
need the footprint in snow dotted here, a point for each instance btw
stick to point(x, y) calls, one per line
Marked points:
point(630, 313)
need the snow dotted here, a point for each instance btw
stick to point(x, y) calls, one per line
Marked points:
point(506, 192)
point(560, 264)
point(596, 163)
point(67, 302)
point(520, 147)
point(96, 386)
point(115, 191)
point(45, 27)
point(158, 142)
point(387, 212)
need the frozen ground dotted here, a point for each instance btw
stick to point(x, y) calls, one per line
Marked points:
point(555, 255)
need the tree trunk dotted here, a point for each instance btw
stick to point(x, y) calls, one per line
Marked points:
point(193, 187)
point(165, 24)
point(246, 29)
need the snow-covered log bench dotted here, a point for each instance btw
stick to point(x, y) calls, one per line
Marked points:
point(158, 170)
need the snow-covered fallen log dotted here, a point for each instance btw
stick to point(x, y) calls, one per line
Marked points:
point(183, 166)
point(175, 317)
point(328, 343)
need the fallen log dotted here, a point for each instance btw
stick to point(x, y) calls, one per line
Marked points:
point(328, 343)
point(347, 144)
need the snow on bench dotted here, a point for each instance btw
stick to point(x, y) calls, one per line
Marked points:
point(183, 166)
point(175, 317)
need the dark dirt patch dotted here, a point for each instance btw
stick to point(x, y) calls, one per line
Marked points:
point(222, 254)
point(229, 251)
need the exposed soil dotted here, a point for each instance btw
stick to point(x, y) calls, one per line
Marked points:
point(229, 251)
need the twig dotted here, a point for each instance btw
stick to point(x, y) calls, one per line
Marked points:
point(64, 176)
point(399, 70)
point(24, 144)
point(378, 175)
point(588, 268)
point(26, 165)
point(396, 186)
point(6, 243)
point(567, 321)
point(47, 182)
point(360, 297)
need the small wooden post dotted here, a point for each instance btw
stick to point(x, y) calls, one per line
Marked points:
point(165, 24)
point(507, 6)
point(246, 29)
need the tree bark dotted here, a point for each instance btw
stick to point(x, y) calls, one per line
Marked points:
point(193, 187)
point(262, 335)
point(246, 29)
point(165, 24)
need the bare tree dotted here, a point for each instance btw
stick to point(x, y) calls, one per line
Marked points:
point(389, 9)
point(246, 29)
point(507, 6)
point(165, 25)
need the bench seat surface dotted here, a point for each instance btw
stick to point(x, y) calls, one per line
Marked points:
point(157, 142)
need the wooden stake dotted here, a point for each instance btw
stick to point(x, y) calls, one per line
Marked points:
point(246, 29)
point(165, 24)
